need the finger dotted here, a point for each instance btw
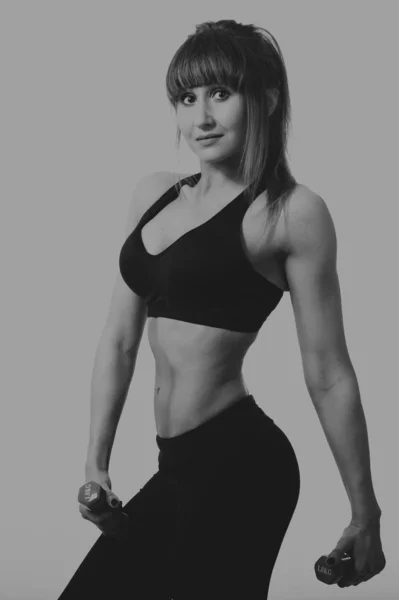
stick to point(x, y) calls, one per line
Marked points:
point(100, 519)
point(334, 557)
point(97, 519)
point(360, 578)
point(86, 514)
point(367, 577)
point(346, 581)
point(83, 511)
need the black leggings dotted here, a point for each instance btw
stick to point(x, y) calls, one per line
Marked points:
point(209, 523)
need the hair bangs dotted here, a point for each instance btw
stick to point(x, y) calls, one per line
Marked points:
point(205, 60)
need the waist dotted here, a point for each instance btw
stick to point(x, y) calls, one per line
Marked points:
point(232, 427)
point(185, 406)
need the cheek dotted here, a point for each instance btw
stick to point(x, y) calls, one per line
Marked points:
point(184, 124)
point(235, 118)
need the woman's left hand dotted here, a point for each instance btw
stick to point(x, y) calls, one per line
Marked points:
point(361, 541)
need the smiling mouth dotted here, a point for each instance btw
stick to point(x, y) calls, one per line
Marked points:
point(208, 137)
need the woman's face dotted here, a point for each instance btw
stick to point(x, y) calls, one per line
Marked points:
point(214, 109)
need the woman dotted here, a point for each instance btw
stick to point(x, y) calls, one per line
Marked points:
point(207, 258)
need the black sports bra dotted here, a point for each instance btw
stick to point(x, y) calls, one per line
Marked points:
point(204, 276)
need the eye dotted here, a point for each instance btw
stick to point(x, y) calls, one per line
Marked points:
point(185, 95)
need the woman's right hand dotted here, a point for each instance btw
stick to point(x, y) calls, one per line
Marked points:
point(108, 522)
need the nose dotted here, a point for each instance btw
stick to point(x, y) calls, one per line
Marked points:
point(203, 116)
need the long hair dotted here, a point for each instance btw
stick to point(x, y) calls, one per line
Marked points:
point(250, 62)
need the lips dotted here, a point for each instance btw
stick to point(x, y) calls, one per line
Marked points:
point(208, 137)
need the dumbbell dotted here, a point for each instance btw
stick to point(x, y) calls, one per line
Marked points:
point(331, 574)
point(95, 498)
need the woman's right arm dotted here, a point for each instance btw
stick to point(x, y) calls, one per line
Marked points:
point(117, 349)
point(112, 373)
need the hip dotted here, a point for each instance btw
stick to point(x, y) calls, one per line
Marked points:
point(241, 442)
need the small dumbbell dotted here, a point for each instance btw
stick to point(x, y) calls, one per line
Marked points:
point(94, 497)
point(331, 574)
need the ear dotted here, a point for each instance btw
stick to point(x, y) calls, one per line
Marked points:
point(272, 99)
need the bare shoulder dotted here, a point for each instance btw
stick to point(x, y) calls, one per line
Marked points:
point(309, 223)
point(151, 187)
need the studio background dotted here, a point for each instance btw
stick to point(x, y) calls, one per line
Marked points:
point(84, 115)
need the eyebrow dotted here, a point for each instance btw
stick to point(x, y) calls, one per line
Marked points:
point(208, 86)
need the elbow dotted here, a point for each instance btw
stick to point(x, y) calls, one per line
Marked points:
point(325, 365)
point(322, 380)
point(126, 347)
point(343, 386)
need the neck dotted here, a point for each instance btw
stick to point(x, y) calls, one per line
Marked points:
point(214, 182)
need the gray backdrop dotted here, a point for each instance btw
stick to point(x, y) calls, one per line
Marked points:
point(83, 116)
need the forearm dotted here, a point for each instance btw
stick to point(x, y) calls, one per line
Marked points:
point(112, 374)
point(341, 415)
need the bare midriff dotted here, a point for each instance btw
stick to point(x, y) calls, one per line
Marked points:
point(198, 372)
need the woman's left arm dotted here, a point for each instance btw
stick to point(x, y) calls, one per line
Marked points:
point(329, 374)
